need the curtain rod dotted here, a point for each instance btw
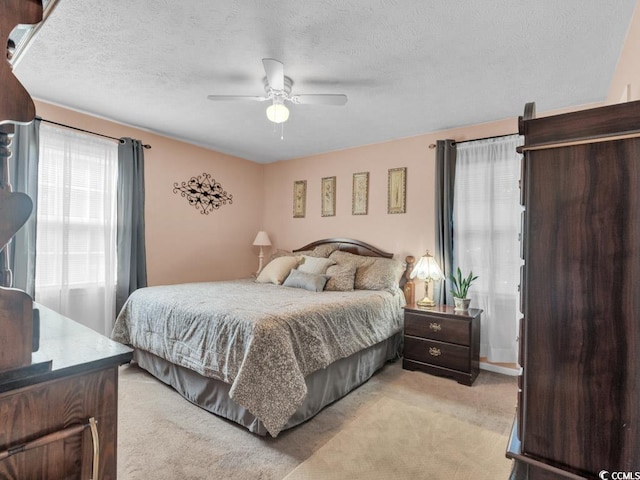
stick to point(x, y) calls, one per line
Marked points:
point(433, 145)
point(85, 131)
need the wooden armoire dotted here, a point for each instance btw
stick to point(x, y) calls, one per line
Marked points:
point(58, 379)
point(578, 413)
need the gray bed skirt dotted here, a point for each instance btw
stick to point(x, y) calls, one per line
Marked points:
point(323, 386)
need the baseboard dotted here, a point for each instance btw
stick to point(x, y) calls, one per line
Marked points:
point(504, 369)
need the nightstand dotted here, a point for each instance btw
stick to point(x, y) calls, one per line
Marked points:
point(442, 341)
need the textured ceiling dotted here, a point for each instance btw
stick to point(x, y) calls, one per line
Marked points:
point(408, 66)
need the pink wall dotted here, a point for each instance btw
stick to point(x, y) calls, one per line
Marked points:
point(625, 85)
point(182, 244)
point(411, 233)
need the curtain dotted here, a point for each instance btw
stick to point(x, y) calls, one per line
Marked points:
point(486, 219)
point(132, 266)
point(23, 170)
point(445, 179)
point(76, 226)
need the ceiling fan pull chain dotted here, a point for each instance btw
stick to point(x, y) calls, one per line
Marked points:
point(275, 125)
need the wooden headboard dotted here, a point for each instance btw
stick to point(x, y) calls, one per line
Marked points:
point(358, 247)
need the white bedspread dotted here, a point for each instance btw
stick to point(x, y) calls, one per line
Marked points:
point(263, 339)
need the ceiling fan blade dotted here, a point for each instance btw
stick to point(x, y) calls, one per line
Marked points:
point(235, 97)
point(275, 73)
point(320, 99)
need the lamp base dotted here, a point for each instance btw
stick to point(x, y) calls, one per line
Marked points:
point(426, 302)
point(260, 257)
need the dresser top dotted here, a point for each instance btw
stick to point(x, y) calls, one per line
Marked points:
point(444, 310)
point(72, 348)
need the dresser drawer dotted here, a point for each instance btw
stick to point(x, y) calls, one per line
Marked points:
point(31, 412)
point(443, 354)
point(443, 329)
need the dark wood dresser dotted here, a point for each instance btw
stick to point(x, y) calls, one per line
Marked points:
point(45, 427)
point(442, 341)
point(578, 412)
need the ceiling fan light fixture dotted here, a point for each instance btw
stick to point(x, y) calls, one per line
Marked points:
point(277, 112)
point(278, 89)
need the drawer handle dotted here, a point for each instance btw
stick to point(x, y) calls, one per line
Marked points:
point(95, 440)
point(436, 327)
point(434, 352)
point(57, 436)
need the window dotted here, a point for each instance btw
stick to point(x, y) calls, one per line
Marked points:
point(76, 226)
point(486, 227)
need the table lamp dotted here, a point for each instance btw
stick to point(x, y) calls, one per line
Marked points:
point(262, 240)
point(427, 269)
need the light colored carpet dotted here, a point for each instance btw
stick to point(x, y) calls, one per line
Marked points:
point(400, 425)
point(392, 439)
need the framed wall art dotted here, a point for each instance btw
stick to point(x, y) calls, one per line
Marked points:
point(360, 194)
point(299, 198)
point(397, 190)
point(328, 196)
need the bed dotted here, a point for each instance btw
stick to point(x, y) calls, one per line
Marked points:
point(270, 352)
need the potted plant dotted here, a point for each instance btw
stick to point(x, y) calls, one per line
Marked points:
point(460, 289)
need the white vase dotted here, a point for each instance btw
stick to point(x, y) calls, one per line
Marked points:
point(461, 304)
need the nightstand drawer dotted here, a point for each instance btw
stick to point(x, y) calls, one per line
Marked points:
point(444, 329)
point(443, 354)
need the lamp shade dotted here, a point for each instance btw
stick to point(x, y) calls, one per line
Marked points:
point(262, 239)
point(427, 269)
point(277, 112)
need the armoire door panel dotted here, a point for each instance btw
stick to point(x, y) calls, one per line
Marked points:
point(582, 326)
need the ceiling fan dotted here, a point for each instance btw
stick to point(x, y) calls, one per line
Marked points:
point(278, 89)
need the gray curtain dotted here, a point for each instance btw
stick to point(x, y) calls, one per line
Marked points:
point(23, 171)
point(131, 252)
point(445, 178)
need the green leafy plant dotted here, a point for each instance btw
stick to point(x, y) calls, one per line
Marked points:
point(461, 285)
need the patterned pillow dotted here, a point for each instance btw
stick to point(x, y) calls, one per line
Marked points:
point(325, 250)
point(315, 264)
point(309, 281)
point(288, 253)
point(277, 270)
point(341, 278)
point(380, 274)
point(346, 258)
point(280, 253)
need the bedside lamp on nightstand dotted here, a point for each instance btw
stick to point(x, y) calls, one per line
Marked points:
point(262, 240)
point(427, 269)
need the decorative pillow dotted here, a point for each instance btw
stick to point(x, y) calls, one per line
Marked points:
point(315, 264)
point(380, 274)
point(341, 278)
point(280, 253)
point(309, 253)
point(277, 270)
point(325, 250)
point(346, 258)
point(309, 281)
point(289, 253)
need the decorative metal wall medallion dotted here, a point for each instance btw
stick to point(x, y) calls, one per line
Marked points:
point(204, 193)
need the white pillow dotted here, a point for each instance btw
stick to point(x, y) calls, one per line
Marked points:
point(315, 265)
point(277, 270)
